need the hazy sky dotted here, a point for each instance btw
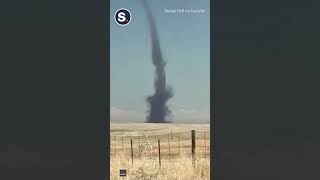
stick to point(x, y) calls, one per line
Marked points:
point(185, 43)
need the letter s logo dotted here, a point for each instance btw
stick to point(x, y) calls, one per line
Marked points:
point(123, 17)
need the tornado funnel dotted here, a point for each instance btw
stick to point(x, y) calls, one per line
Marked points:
point(158, 110)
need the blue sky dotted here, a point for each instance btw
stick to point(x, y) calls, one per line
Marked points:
point(185, 43)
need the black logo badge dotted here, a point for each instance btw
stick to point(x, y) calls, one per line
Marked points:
point(122, 17)
point(123, 172)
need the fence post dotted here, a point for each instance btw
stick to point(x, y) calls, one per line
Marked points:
point(131, 153)
point(122, 143)
point(205, 145)
point(169, 146)
point(115, 145)
point(179, 143)
point(139, 148)
point(159, 153)
point(193, 148)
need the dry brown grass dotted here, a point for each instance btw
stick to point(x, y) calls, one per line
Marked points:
point(146, 167)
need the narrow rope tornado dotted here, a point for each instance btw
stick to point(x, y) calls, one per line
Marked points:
point(158, 110)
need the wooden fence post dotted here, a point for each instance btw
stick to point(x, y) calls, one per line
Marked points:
point(193, 148)
point(169, 146)
point(122, 143)
point(139, 148)
point(115, 145)
point(159, 153)
point(179, 143)
point(205, 145)
point(131, 153)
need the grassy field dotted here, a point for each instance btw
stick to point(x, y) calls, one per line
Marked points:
point(142, 160)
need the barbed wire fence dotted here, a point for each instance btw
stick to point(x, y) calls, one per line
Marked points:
point(165, 147)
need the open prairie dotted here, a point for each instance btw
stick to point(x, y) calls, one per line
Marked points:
point(160, 151)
